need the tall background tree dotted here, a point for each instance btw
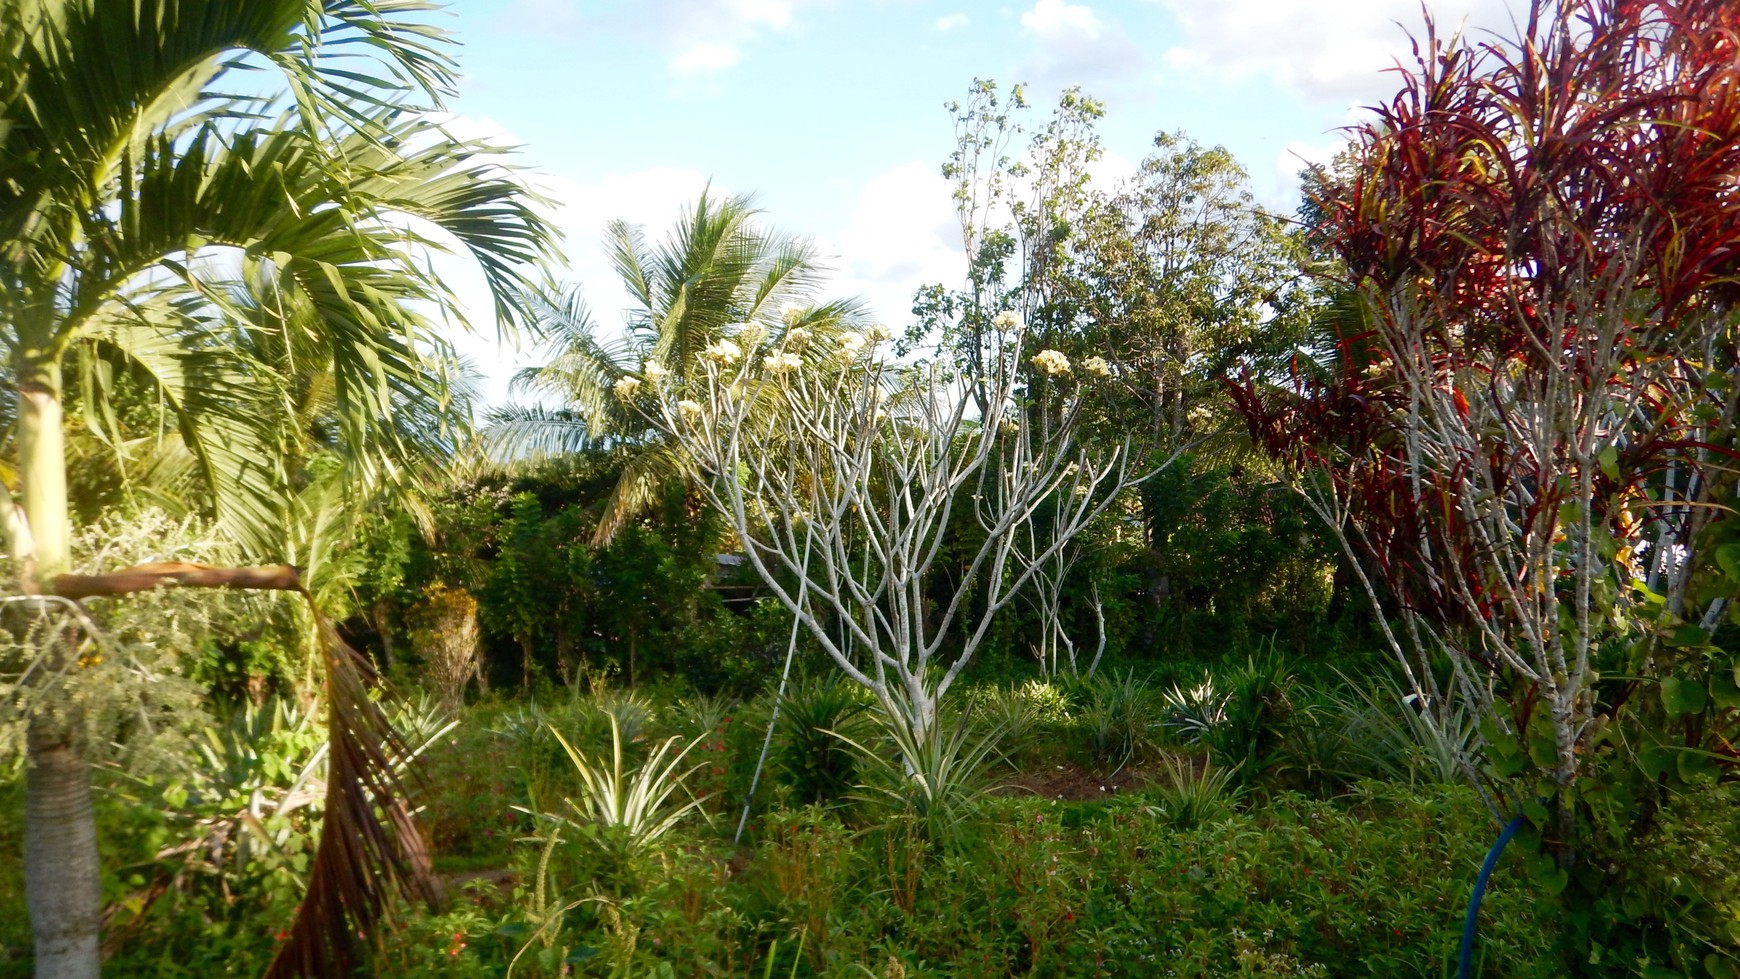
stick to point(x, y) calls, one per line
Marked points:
point(139, 196)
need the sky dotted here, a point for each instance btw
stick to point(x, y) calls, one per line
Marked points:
point(831, 112)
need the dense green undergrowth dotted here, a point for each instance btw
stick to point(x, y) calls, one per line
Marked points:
point(1236, 821)
point(1157, 876)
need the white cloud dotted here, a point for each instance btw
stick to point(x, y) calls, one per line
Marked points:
point(705, 57)
point(1326, 48)
point(1051, 19)
point(949, 22)
point(902, 234)
point(709, 36)
point(1075, 46)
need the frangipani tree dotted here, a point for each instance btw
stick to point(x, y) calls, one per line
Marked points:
point(844, 495)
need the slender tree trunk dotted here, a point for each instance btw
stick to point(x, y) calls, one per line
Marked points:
point(61, 874)
point(61, 881)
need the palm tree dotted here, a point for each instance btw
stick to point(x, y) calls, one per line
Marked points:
point(717, 276)
point(134, 194)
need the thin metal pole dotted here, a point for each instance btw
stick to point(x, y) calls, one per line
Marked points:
point(779, 696)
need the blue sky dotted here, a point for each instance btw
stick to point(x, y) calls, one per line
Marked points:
point(831, 111)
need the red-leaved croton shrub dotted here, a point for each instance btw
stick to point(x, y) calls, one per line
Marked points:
point(1527, 440)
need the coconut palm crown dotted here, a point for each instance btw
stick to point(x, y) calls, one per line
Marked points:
point(717, 277)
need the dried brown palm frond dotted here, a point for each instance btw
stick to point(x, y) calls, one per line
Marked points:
point(370, 851)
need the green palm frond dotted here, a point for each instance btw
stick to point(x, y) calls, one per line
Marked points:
point(715, 269)
point(533, 432)
point(646, 472)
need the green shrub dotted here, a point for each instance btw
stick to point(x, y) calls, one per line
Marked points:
point(1242, 716)
point(1118, 718)
point(813, 760)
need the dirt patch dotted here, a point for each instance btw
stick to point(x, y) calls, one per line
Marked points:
point(1072, 783)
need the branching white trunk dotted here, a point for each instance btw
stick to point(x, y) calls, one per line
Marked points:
point(877, 466)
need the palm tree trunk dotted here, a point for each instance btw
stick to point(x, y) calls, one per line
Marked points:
point(61, 882)
point(61, 875)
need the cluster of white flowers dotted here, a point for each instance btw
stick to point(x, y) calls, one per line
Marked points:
point(1052, 362)
point(654, 371)
point(1070, 470)
point(781, 362)
point(791, 314)
point(797, 336)
point(851, 344)
point(1008, 426)
point(1006, 320)
point(880, 333)
point(690, 410)
point(749, 333)
point(626, 387)
point(1097, 366)
point(723, 352)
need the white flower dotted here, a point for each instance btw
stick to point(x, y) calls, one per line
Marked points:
point(626, 387)
point(1052, 362)
point(791, 314)
point(690, 410)
point(1070, 470)
point(780, 363)
point(851, 343)
point(749, 333)
point(1006, 320)
point(1083, 490)
point(797, 336)
point(880, 333)
point(655, 371)
point(723, 352)
point(1097, 366)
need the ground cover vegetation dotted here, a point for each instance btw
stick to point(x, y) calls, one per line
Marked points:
point(1191, 590)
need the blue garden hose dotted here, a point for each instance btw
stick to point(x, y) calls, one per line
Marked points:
point(1473, 919)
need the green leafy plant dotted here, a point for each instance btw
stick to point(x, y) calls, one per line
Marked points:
point(640, 803)
point(1118, 718)
point(1241, 717)
point(935, 776)
point(1401, 736)
point(813, 758)
point(1193, 794)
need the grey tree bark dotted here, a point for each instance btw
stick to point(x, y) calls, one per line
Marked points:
point(61, 873)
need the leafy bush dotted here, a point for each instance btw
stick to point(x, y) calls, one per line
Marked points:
point(635, 805)
point(1193, 794)
point(934, 776)
point(812, 756)
point(1024, 713)
point(1241, 717)
point(1118, 718)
